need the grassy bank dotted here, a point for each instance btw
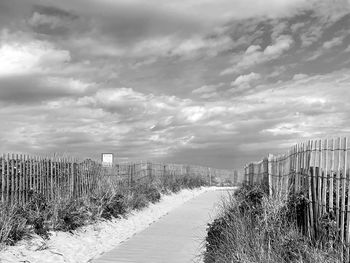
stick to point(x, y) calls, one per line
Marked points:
point(253, 227)
point(40, 216)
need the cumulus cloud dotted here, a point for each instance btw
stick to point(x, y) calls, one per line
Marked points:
point(327, 46)
point(336, 41)
point(255, 55)
point(32, 56)
point(208, 88)
point(245, 79)
point(299, 76)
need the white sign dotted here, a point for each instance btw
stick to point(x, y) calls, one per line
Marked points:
point(107, 159)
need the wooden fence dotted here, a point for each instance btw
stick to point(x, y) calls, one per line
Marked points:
point(320, 170)
point(54, 177)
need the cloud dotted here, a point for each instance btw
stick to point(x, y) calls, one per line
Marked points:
point(208, 88)
point(254, 55)
point(311, 34)
point(51, 20)
point(31, 56)
point(36, 89)
point(326, 47)
point(299, 76)
point(282, 43)
point(245, 79)
point(347, 49)
point(336, 41)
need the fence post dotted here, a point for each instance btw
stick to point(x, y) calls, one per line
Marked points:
point(209, 171)
point(3, 178)
point(269, 173)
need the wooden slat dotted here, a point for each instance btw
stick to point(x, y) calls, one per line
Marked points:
point(310, 192)
point(35, 175)
point(343, 192)
point(58, 176)
point(8, 189)
point(301, 157)
point(58, 173)
point(337, 197)
point(31, 174)
point(314, 186)
point(3, 178)
point(305, 168)
point(347, 232)
point(41, 174)
point(47, 177)
point(279, 182)
point(25, 170)
point(322, 182)
point(23, 177)
point(319, 178)
point(331, 182)
point(71, 175)
point(16, 188)
point(296, 168)
point(20, 179)
point(51, 179)
point(12, 179)
point(325, 178)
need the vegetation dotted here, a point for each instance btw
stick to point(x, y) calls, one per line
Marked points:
point(254, 227)
point(40, 216)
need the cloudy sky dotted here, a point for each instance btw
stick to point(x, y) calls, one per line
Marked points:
point(211, 82)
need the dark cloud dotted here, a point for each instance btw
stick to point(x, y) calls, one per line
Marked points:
point(51, 20)
point(33, 89)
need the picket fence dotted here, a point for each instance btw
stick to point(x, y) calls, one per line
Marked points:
point(56, 177)
point(320, 170)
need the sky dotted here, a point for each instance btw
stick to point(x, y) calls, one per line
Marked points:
point(210, 82)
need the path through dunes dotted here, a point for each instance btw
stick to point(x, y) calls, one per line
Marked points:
point(176, 237)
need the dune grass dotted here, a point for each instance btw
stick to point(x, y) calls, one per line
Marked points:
point(253, 227)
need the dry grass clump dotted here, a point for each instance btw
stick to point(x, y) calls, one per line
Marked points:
point(253, 227)
point(12, 226)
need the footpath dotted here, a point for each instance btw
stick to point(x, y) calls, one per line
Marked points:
point(178, 237)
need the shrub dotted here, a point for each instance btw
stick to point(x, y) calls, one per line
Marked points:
point(71, 215)
point(113, 207)
point(37, 212)
point(12, 224)
point(152, 194)
point(250, 200)
point(142, 194)
point(137, 200)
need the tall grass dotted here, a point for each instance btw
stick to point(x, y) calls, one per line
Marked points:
point(111, 199)
point(253, 227)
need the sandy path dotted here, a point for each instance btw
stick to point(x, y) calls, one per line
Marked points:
point(176, 237)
